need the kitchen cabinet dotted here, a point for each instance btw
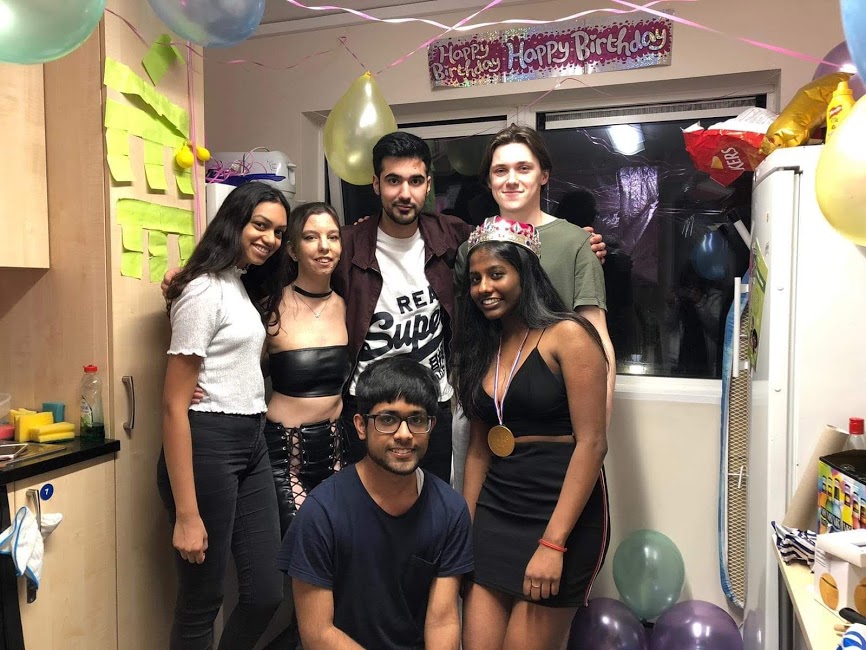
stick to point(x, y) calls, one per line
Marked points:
point(82, 311)
point(76, 603)
point(24, 209)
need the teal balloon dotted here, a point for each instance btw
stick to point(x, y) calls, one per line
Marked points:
point(649, 573)
point(37, 31)
point(211, 23)
point(710, 256)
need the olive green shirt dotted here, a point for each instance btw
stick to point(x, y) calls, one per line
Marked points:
point(568, 260)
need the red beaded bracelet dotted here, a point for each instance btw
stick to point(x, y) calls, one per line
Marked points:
point(555, 547)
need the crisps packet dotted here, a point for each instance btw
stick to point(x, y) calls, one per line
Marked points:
point(803, 114)
point(729, 148)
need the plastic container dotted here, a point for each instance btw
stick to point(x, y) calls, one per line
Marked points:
point(92, 421)
point(856, 439)
point(840, 105)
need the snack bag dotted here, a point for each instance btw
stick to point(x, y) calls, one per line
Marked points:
point(803, 114)
point(729, 148)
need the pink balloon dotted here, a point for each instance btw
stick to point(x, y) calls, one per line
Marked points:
point(840, 56)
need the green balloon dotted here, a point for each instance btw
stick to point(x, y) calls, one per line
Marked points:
point(649, 573)
point(36, 31)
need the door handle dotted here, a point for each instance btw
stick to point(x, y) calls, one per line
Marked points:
point(129, 425)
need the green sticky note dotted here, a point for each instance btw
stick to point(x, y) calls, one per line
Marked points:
point(120, 167)
point(186, 244)
point(157, 243)
point(145, 125)
point(157, 266)
point(121, 78)
point(160, 58)
point(155, 176)
point(153, 216)
point(133, 238)
point(131, 264)
point(177, 221)
point(117, 142)
point(184, 181)
point(153, 153)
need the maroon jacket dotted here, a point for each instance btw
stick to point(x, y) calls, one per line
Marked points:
point(358, 280)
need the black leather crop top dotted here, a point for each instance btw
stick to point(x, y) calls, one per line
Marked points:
point(310, 372)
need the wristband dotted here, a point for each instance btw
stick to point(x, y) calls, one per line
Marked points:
point(555, 547)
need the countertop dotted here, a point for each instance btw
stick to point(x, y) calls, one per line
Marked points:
point(816, 621)
point(74, 451)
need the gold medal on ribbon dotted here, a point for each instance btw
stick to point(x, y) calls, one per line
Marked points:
point(500, 440)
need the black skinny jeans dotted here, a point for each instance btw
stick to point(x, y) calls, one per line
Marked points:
point(437, 460)
point(238, 505)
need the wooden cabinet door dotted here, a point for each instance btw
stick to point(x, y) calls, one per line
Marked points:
point(76, 603)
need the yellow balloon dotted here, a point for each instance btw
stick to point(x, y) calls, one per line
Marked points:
point(202, 154)
point(840, 179)
point(184, 158)
point(359, 118)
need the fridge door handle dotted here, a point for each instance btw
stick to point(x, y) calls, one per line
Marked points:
point(129, 425)
point(739, 289)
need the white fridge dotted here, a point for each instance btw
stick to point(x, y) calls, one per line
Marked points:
point(811, 362)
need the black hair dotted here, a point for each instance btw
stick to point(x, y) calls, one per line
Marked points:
point(221, 247)
point(578, 207)
point(519, 134)
point(295, 228)
point(399, 377)
point(400, 144)
point(540, 306)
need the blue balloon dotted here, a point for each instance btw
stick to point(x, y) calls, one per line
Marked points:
point(211, 23)
point(37, 31)
point(695, 625)
point(854, 23)
point(710, 256)
point(606, 624)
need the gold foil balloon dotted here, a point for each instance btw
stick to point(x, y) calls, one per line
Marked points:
point(840, 180)
point(357, 121)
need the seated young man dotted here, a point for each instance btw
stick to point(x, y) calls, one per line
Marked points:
point(377, 550)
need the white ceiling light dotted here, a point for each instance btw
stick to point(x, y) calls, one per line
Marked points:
point(626, 139)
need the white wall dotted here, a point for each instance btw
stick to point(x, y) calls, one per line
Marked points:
point(664, 455)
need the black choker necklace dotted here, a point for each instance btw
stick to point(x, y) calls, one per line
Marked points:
point(310, 294)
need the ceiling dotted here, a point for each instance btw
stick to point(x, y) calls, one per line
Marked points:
point(277, 11)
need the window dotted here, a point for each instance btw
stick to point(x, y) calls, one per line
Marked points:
point(673, 248)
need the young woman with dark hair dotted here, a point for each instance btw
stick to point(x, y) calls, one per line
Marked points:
point(530, 375)
point(213, 474)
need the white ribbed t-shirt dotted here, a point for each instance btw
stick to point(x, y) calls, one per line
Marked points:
point(215, 319)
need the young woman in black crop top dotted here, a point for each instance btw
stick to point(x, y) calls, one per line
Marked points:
point(531, 375)
point(308, 365)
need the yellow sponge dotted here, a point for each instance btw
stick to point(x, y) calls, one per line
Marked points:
point(53, 432)
point(14, 414)
point(28, 421)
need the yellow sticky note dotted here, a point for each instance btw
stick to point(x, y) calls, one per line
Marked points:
point(186, 244)
point(120, 168)
point(133, 238)
point(157, 243)
point(157, 266)
point(155, 176)
point(131, 264)
point(117, 142)
point(184, 181)
point(153, 153)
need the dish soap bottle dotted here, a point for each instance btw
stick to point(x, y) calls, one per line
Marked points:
point(840, 105)
point(92, 421)
point(856, 439)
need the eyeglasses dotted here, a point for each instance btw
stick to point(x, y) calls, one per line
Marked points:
point(390, 423)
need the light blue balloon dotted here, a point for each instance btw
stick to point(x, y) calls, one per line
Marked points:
point(854, 23)
point(649, 572)
point(36, 31)
point(211, 23)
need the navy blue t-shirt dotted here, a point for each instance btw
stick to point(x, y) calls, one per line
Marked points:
point(380, 568)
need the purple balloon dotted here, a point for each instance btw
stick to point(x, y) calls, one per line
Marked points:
point(841, 57)
point(695, 625)
point(606, 624)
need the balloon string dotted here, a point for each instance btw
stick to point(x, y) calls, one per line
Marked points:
point(436, 38)
point(196, 197)
point(343, 40)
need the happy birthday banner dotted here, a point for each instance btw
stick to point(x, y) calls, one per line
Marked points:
point(592, 45)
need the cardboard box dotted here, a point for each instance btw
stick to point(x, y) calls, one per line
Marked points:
point(842, 492)
point(840, 570)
